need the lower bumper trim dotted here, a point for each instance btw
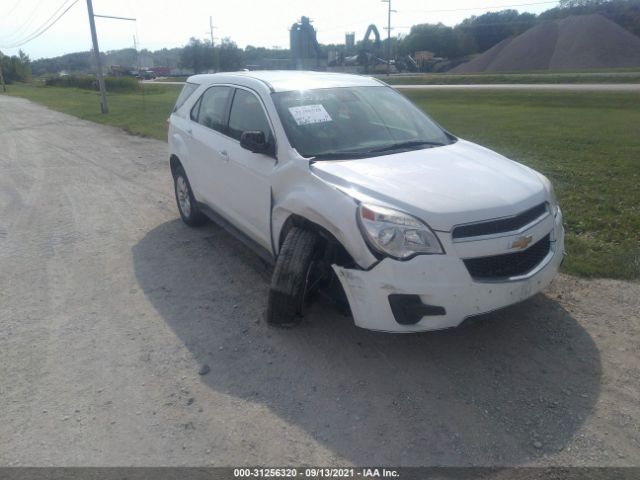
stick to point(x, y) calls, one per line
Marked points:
point(409, 309)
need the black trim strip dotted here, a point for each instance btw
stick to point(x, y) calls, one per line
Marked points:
point(237, 233)
point(500, 225)
point(273, 241)
point(409, 309)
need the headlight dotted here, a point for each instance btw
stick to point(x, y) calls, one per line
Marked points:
point(553, 200)
point(548, 186)
point(395, 233)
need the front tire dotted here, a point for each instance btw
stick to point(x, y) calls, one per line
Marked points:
point(187, 206)
point(290, 281)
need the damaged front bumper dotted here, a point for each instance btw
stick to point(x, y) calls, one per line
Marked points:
point(432, 292)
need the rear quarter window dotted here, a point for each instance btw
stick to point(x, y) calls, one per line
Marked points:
point(186, 92)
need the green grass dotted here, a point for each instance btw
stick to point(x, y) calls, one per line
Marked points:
point(587, 143)
point(88, 82)
point(140, 113)
point(500, 78)
point(171, 79)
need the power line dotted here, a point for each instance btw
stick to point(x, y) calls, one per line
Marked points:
point(44, 27)
point(477, 25)
point(46, 24)
point(344, 25)
point(27, 23)
point(12, 9)
point(481, 8)
point(363, 19)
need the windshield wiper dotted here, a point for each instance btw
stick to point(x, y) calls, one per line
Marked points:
point(340, 155)
point(367, 153)
point(409, 144)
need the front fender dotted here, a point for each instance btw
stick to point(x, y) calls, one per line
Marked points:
point(298, 192)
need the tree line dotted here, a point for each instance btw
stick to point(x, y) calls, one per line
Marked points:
point(477, 34)
point(473, 35)
point(197, 56)
point(16, 68)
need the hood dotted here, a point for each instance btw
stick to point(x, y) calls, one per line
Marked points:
point(443, 186)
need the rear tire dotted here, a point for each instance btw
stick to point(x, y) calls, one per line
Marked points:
point(187, 205)
point(289, 283)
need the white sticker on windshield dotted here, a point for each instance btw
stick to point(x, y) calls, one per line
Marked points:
point(309, 114)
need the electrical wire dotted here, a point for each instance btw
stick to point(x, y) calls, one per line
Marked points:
point(19, 38)
point(478, 25)
point(11, 10)
point(25, 25)
point(62, 10)
point(480, 8)
point(342, 26)
point(358, 22)
point(44, 27)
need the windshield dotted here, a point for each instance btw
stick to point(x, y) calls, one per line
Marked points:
point(354, 122)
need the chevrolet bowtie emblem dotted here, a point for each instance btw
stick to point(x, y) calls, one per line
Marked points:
point(522, 242)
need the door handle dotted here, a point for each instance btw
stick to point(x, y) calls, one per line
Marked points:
point(224, 154)
point(189, 131)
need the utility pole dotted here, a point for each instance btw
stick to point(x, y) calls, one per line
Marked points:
point(135, 47)
point(4, 87)
point(94, 37)
point(213, 47)
point(388, 36)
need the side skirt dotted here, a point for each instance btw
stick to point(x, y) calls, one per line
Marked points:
point(258, 249)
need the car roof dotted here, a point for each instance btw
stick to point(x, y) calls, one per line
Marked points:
point(287, 80)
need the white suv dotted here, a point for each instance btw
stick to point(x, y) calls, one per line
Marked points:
point(350, 189)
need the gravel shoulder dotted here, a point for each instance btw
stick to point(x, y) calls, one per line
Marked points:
point(111, 308)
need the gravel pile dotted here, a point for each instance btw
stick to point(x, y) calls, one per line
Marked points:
point(576, 42)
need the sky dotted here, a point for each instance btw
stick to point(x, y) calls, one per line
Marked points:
point(162, 24)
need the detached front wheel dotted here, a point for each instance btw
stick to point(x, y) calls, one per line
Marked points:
point(294, 278)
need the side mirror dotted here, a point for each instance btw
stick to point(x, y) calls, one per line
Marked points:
point(255, 141)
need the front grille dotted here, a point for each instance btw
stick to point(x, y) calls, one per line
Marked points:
point(500, 225)
point(509, 264)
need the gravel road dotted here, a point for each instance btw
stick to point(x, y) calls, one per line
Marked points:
point(112, 311)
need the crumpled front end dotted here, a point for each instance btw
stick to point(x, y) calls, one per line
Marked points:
point(475, 276)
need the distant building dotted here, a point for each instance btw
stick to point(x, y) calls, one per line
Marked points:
point(161, 71)
point(350, 41)
point(423, 56)
point(304, 47)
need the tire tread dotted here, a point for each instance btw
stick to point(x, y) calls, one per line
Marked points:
point(196, 218)
point(287, 283)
